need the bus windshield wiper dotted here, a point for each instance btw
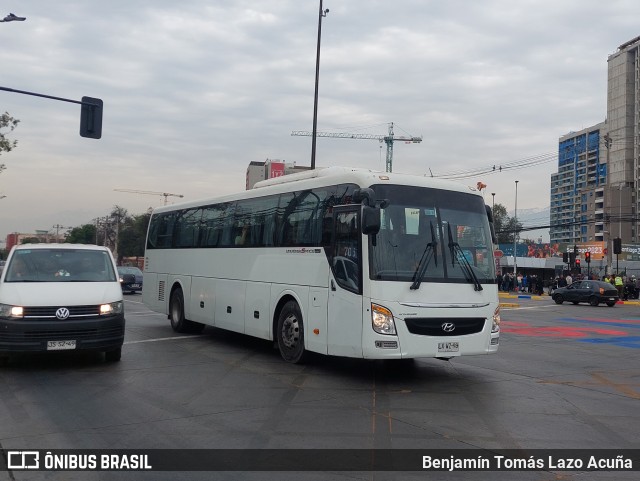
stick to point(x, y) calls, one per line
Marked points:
point(428, 254)
point(456, 252)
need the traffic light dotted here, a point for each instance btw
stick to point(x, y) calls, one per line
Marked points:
point(565, 257)
point(587, 257)
point(578, 264)
point(91, 118)
point(617, 245)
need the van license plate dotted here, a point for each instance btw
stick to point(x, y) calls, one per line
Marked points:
point(448, 347)
point(60, 345)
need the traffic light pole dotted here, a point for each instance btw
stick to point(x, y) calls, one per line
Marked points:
point(90, 113)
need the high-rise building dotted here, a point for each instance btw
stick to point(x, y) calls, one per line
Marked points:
point(594, 194)
point(623, 117)
point(577, 189)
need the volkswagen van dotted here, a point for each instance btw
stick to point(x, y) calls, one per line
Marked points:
point(61, 297)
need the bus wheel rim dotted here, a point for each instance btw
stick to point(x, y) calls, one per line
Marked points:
point(290, 331)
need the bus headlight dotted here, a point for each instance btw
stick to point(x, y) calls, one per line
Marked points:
point(382, 320)
point(495, 327)
point(7, 311)
point(111, 308)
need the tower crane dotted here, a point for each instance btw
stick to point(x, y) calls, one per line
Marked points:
point(387, 139)
point(148, 192)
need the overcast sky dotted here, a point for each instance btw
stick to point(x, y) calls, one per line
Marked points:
point(195, 90)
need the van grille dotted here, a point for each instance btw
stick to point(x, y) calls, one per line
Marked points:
point(64, 334)
point(49, 312)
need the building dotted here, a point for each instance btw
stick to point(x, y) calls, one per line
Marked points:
point(578, 188)
point(594, 194)
point(40, 236)
point(257, 171)
point(623, 116)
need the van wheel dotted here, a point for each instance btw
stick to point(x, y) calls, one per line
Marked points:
point(113, 356)
point(594, 301)
point(176, 315)
point(290, 333)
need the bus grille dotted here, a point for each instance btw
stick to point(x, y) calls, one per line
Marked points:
point(161, 290)
point(445, 327)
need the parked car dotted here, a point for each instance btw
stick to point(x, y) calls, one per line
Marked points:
point(593, 292)
point(57, 297)
point(130, 279)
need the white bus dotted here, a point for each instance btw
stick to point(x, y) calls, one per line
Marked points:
point(338, 261)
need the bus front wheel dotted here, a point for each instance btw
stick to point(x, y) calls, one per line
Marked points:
point(176, 315)
point(290, 333)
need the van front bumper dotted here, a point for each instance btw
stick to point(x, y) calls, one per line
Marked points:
point(26, 335)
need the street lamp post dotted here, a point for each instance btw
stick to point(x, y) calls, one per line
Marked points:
point(322, 13)
point(515, 234)
point(493, 201)
point(13, 18)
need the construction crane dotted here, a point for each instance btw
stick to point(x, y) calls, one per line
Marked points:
point(388, 139)
point(148, 192)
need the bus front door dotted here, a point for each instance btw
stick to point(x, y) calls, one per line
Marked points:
point(345, 284)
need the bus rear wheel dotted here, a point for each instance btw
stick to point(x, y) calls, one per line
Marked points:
point(176, 315)
point(290, 333)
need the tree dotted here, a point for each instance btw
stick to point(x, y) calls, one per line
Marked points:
point(504, 225)
point(6, 145)
point(85, 234)
point(133, 235)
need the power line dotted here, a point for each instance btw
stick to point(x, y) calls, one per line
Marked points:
point(497, 168)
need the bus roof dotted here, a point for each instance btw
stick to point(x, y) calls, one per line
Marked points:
point(309, 179)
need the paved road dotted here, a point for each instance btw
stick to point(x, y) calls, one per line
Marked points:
point(565, 377)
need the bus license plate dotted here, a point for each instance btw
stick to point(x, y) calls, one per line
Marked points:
point(135, 286)
point(60, 345)
point(448, 347)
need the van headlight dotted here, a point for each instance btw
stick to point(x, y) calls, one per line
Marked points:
point(112, 308)
point(382, 320)
point(10, 312)
point(495, 327)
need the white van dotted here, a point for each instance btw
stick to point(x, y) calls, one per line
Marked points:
point(56, 297)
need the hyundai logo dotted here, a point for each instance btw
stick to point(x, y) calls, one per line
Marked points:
point(62, 313)
point(448, 326)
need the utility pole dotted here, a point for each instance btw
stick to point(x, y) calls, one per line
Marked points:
point(322, 13)
point(515, 235)
point(57, 227)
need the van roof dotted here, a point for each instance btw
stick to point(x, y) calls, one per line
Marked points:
point(60, 246)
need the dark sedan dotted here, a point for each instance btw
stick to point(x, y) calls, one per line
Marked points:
point(593, 292)
point(130, 279)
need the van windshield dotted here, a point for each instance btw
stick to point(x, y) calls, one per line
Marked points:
point(60, 265)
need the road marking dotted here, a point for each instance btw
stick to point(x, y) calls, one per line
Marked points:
point(523, 308)
point(163, 339)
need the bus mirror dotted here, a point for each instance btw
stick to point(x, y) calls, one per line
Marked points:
point(370, 220)
point(360, 195)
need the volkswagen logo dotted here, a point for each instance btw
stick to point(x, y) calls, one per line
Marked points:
point(448, 326)
point(62, 313)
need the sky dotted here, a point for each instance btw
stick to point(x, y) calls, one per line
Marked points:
point(195, 90)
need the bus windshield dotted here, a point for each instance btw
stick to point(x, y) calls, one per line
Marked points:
point(431, 235)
